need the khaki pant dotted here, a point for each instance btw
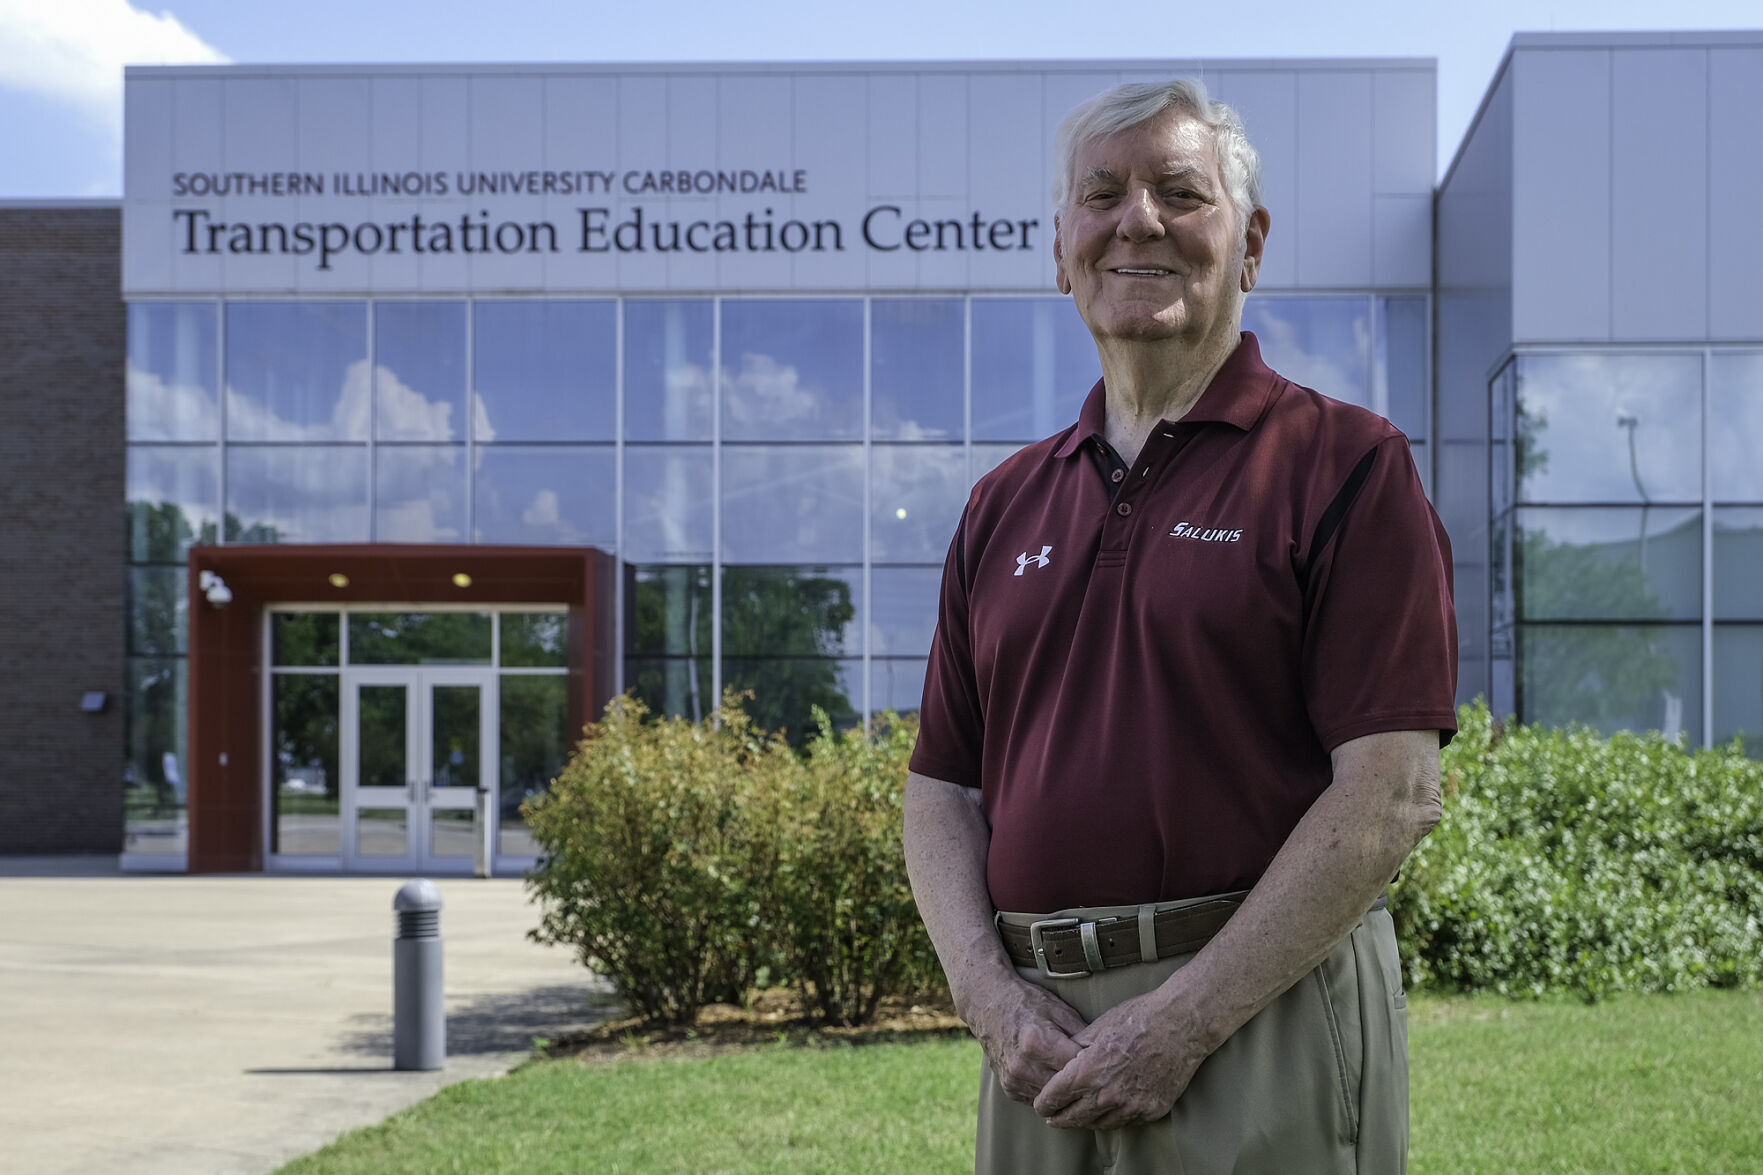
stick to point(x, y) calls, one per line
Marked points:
point(1317, 1082)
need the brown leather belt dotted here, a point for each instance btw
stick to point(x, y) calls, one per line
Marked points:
point(1069, 948)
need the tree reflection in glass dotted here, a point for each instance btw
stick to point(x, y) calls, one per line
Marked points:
point(534, 742)
point(303, 762)
point(782, 627)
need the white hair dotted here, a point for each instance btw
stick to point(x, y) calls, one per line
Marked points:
point(1128, 105)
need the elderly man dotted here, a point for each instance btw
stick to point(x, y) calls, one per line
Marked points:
point(1194, 657)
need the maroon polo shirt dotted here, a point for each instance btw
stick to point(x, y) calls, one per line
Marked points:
point(1144, 669)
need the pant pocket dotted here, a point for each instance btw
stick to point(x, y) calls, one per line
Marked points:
point(1337, 985)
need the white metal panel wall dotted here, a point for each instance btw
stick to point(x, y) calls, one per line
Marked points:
point(1561, 194)
point(1473, 312)
point(1659, 194)
point(1735, 193)
point(1334, 179)
point(1638, 169)
point(1348, 150)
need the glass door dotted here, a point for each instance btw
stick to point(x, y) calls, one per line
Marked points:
point(415, 748)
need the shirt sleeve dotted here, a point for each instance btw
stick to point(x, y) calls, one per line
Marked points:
point(1380, 638)
point(951, 721)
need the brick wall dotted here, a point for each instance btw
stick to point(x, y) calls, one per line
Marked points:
point(62, 355)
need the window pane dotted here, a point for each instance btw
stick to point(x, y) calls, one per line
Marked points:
point(158, 610)
point(1501, 588)
point(917, 367)
point(897, 684)
point(452, 832)
point(154, 789)
point(915, 501)
point(1401, 363)
point(421, 494)
point(1609, 428)
point(455, 730)
point(545, 371)
point(668, 503)
point(1610, 563)
point(419, 371)
point(382, 832)
point(419, 638)
point(1735, 399)
point(1738, 686)
point(791, 611)
point(785, 690)
point(173, 388)
point(173, 501)
point(532, 640)
point(296, 371)
point(1613, 677)
point(667, 610)
point(1738, 563)
point(789, 503)
point(535, 743)
point(1322, 343)
point(667, 370)
point(303, 763)
point(296, 494)
point(903, 610)
point(553, 494)
point(304, 638)
point(792, 370)
point(382, 750)
point(675, 687)
point(1033, 363)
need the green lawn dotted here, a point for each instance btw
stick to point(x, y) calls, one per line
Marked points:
point(1642, 1084)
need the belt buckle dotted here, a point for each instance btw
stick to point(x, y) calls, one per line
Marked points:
point(1036, 929)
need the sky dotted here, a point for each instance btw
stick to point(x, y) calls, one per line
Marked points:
point(61, 60)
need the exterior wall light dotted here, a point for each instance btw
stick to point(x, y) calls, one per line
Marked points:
point(460, 579)
point(338, 579)
point(215, 589)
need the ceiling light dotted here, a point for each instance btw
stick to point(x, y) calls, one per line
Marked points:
point(900, 513)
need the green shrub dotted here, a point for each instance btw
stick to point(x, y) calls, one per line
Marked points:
point(686, 861)
point(848, 930)
point(1570, 862)
point(658, 844)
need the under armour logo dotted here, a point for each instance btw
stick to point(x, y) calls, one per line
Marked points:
point(1024, 559)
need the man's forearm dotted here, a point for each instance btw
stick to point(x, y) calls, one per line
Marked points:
point(946, 838)
point(1343, 852)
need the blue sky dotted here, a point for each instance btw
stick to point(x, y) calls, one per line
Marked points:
point(61, 60)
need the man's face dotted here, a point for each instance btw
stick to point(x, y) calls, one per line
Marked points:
point(1150, 246)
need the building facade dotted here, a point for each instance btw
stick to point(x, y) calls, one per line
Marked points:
point(462, 398)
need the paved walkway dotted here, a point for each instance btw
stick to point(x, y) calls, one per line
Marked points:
point(224, 1025)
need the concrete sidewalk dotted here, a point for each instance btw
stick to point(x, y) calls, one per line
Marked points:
point(224, 1025)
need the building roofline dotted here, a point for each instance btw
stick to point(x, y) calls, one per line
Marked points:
point(1480, 110)
point(1657, 39)
point(13, 204)
point(1678, 39)
point(1175, 65)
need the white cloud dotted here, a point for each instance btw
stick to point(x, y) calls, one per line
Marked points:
point(75, 50)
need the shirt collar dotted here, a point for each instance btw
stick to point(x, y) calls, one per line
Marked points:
point(1238, 394)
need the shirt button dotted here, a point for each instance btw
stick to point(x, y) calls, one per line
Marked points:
point(1117, 475)
point(1123, 509)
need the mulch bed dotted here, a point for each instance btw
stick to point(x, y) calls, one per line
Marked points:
point(773, 1018)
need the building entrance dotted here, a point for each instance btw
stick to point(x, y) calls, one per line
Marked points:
point(415, 748)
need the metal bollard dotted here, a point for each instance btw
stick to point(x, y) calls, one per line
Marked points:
point(419, 1017)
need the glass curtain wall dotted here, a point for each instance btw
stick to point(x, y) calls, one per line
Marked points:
point(1627, 537)
point(780, 476)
